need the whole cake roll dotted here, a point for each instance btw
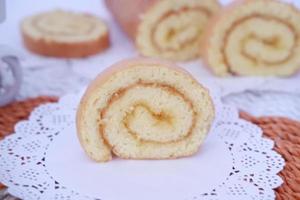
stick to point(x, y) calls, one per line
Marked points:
point(64, 34)
point(144, 109)
point(169, 29)
point(254, 37)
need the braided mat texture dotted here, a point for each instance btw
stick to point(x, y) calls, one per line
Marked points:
point(285, 133)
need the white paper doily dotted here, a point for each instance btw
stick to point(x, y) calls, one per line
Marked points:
point(43, 160)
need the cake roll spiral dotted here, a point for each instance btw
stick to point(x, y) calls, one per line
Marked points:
point(64, 34)
point(255, 37)
point(169, 29)
point(143, 109)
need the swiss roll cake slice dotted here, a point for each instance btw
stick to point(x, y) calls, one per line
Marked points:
point(254, 37)
point(144, 109)
point(169, 29)
point(64, 34)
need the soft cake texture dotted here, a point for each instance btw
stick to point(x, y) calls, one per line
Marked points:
point(144, 109)
point(254, 37)
point(64, 34)
point(165, 28)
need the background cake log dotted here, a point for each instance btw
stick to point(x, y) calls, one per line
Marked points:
point(64, 34)
point(253, 37)
point(169, 29)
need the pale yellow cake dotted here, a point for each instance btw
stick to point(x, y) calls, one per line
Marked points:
point(144, 109)
point(254, 37)
point(169, 29)
point(64, 34)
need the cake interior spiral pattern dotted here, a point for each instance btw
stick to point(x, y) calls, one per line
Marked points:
point(173, 30)
point(162, 123)
point(255, 38)
point(64, 26)
point(173, 37)
point(169, 29)
point(144, 110)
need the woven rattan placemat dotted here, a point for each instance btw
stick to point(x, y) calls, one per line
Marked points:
point(285, 133)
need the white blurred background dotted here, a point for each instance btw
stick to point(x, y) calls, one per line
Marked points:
point(49, 76)
point(16, 10)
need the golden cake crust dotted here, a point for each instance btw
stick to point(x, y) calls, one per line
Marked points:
point(66, 50)
point(128, 18)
